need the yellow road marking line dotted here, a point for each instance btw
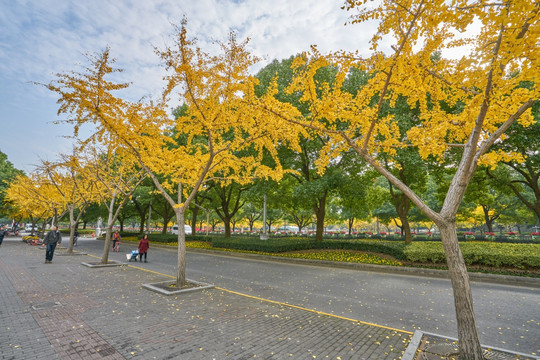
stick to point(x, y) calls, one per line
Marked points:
point(314, 311)
point(151, 271)
point(139, 268)
point(288, 305)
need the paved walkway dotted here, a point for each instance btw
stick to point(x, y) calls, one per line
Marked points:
point(64, 310)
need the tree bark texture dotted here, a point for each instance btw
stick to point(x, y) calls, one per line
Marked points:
point(402, 205)
point(469, 342)
point(320, 212)
point(227, 225)
point(181, 267)
point(110, 222)
point(72, 226)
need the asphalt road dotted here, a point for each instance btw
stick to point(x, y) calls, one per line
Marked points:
point(508, 317)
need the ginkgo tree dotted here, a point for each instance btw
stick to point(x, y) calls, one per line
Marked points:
point(218, 137)
point(465, 104)
point(115, 176)
point(24, 204)
point(76, 184)
point(35, 197)
point(206, 142)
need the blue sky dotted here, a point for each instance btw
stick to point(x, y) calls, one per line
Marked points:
point(39, 38)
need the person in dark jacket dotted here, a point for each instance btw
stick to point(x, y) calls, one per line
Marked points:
point(3, 232)
point(52, 238)
point(143, 247)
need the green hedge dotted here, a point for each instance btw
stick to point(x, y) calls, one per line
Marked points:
point(520, 256)
point(280, 245)
point(66, 231)
point(160, 238)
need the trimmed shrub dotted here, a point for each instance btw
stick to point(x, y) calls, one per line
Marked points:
point(520, 256)
point(280, 245)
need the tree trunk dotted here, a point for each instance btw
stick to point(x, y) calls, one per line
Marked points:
point(320, 212)
point(110, 222)
point(402, 205)
point(194, 213)
point(489, 221)
point(406, 229)
point(227, 224)
point(141, 223)
point(536, 209)
point(469, 342)
point(107, 245)
point(181, 270)
point(72, 225)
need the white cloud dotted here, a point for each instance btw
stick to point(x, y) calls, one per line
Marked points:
point(41, 38)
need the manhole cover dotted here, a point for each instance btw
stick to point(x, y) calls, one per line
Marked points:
point(46, 305)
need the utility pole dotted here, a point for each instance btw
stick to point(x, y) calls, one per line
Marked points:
point(264, 234)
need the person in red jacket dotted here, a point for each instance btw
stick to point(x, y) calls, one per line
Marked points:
point(143, 248)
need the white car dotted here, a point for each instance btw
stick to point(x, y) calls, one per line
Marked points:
point(187, 229)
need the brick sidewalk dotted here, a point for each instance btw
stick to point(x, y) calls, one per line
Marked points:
point(64, 310)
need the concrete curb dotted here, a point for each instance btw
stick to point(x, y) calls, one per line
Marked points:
point(410, 352)
point(412, 349)
point(111, 263)
point(154, 287)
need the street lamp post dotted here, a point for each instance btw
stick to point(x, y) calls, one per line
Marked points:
point(264, 234)
point(207, 216)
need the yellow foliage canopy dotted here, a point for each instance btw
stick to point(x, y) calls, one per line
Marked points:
point(488, 89)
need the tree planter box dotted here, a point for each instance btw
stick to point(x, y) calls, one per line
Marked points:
point(426, 345)
point(167, 287)
point(99, 265)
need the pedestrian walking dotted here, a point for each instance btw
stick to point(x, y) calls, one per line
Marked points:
point(143, 247)
point(52, 238)
point(3, 232)
point(116, 241)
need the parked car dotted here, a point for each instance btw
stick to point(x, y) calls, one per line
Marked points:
point(288, 228)
point(187, 229)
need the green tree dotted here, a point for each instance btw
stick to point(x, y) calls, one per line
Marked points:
point(8, 173)
point(524, 171)
point(487, 82)
point(226, 200)
point(313, 186)
point(251, 212)
point(493, 201)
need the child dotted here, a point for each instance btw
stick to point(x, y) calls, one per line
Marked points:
point(143, 247)
point(116, 241)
